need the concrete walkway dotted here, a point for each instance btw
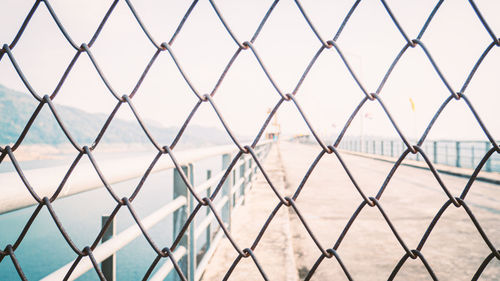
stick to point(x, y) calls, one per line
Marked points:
point(274, 251)
point(369, 251)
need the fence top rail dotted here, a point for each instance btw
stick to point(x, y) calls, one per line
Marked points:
point(15, 195)
point(378, 139)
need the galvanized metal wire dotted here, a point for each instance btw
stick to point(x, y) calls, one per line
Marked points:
point(207, 100)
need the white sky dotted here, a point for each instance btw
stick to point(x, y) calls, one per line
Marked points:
point(370, 42)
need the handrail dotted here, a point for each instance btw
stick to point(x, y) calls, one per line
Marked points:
point(15, 195)
point(235, 188)
point(208, 220)
point(114, 244)
point(453, 153)
point(167, 266)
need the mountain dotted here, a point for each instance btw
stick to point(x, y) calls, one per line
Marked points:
point(16, 109)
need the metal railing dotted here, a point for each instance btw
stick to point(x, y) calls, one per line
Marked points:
point(192, 261)
point(461, 154)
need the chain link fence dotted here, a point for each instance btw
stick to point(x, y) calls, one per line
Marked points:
point(326, 43)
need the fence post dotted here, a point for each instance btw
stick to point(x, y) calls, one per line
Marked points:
point(457, 145)
point(209, 226)
point(446, 154)
point(472, 156)
point(392, 148)
point(250, 175)
point(236, 193)
point(226, 188)
point(245, 181)
point(108, 266)
point(188, 263)
point(488, 162)
point(382, 147)
point(434, 143)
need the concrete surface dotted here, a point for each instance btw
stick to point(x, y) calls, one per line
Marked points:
point(274, 252)
point(370, 251)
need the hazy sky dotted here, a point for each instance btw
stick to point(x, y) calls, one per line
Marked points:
point(370, 42)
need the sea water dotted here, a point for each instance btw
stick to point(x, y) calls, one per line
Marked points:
point(44, 250)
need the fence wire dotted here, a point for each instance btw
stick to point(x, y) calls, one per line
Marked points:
point(208, 100)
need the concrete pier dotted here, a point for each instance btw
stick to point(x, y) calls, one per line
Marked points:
point(274, 252)
point(370, 251)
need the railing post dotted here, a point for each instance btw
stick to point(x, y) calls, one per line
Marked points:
point(382, 147)
point(226, 188)
point(209, 227)
point(472, 156)
point(392, 148)
point(234, 195)
point(245, 181)
point(446, 154)
point(417, 156)
point(457, 146)
point(108, 266)
point(434, 143)
point(250, 175)
point(488, 162)
point(188, 263)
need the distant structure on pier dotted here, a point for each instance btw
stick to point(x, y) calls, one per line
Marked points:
point(274, 130)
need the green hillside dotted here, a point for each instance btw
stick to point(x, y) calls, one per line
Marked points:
point(16, 108)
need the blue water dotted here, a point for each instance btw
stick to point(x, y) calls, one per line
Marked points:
point(44, 250)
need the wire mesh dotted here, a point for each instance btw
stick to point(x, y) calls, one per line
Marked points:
point(325, 44)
